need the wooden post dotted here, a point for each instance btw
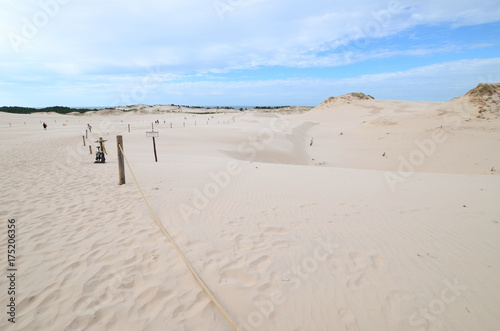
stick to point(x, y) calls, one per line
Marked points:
point(84, 141)
point(170, 124)
point(129, 128)
point(194, 123)
point(154, 147)
point(86, 133)
point(121, 165)
point(184, 124)
point(90, 149)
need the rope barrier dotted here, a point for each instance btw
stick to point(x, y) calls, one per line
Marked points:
point(195, 274)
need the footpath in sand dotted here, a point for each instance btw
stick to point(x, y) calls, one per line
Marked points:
point(357, 215)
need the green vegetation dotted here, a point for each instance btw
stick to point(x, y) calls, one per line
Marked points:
point(362, 96)
point(484, 88)
point(55, 109)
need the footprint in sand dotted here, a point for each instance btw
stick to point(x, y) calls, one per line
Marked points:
point(379, 263)
point(359, 281)
point(286, 243)
point(261, 263)
point(394, 306)
point(348, 319)
point(357, 261)
point(238, 277)
point(251, 242)
point(177, 311)
point(336, 264)
point(359, 269)
point(211, 253)
point(275, 230)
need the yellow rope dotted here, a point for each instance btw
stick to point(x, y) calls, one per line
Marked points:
point(196, 276)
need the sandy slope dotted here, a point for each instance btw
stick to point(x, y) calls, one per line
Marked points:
point(288, 236)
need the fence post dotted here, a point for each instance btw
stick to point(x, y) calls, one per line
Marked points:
point(121, 165)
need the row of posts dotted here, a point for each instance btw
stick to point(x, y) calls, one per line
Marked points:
point(119, 149)
point(184, 124)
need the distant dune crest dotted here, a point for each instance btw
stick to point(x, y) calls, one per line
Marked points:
point(155, 109)
point(485, 97)
point(347, 98)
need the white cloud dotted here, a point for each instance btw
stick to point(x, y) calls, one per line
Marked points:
point(442, 82)
point(190, 34)
point(113, 40)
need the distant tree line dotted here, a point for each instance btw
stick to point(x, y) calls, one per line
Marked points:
point(269, 107)
point(55, 109)
point(200, 107)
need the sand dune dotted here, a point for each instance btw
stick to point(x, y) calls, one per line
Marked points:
point(388, 221)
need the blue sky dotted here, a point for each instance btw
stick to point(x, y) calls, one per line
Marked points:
point(243, 52)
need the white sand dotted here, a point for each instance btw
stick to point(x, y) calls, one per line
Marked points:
point(288, 236)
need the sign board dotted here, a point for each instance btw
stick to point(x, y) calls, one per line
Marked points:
point(152, 134)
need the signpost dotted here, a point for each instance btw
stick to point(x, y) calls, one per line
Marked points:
point(154, 135)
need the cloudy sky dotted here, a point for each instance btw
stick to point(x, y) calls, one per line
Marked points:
point(243, 52)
